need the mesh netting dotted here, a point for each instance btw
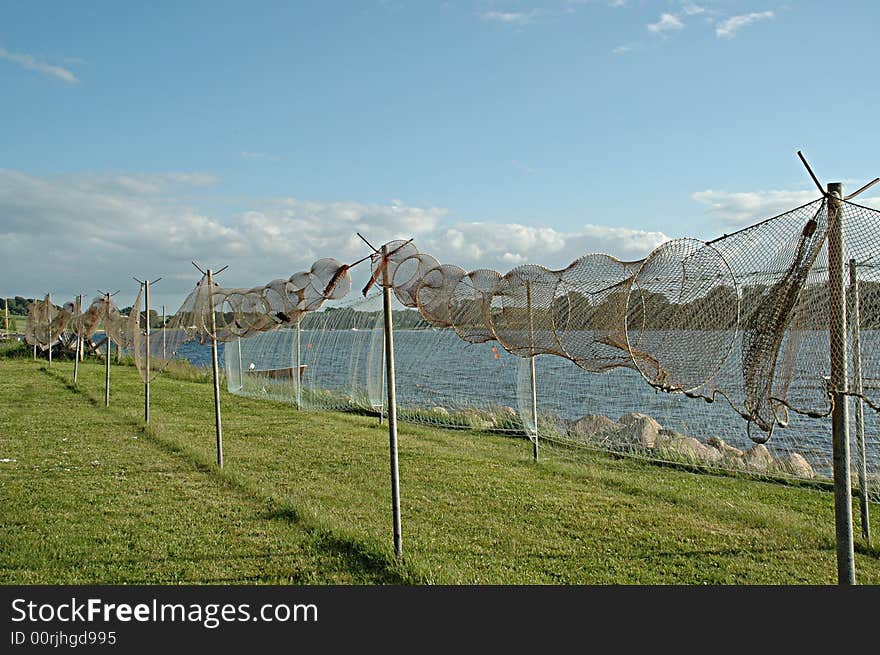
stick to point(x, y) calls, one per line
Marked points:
point(231, 314)
point(47, 324)
point(744, 318)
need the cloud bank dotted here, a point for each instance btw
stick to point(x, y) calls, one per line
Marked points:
point(78, 234)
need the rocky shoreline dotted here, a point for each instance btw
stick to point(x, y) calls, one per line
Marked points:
point(640, 432)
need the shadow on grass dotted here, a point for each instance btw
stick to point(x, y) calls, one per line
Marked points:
point(70, 386)
point(872, 551)
point(360, 558)
point(353, 553)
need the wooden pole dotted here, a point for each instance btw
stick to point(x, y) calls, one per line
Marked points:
point(856, 339)
point(846, 573)
point(147, 351)
point(215, 368)
point(49, 325)
point(391, 406)
point(6, 317)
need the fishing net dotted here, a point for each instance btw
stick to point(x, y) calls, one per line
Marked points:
point(746, 318)
point(231, 314)
point(45, 323)
point(341, 360)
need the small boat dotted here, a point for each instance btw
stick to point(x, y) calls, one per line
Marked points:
point(278, 373)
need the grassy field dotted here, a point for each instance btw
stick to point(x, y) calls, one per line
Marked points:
point(16, 323)
point(94, 497)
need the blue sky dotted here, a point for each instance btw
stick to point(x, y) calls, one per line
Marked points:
point(263, 135)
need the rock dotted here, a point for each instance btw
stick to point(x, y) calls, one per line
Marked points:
point(728, 456)
point(758, 458)
point(477, 420)
point(678, 446)
point(724, 447)
point(639, 430)
point(594, 425)
point(795, 464)
point(442, 411)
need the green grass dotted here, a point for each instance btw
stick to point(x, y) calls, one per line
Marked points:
point(304, 498)
point(16, 323)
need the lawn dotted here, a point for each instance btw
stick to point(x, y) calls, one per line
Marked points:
point(92, 496)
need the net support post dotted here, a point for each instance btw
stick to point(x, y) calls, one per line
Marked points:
point(49, 325)
point(163, 333)
point(147, 350)
point(297, 376)
point(107, 369)
point(215, 368)
point(846, 574)
point(240, 367)
point(391, 405)
point(854, 318)
point(76, 359)
point(533, 381)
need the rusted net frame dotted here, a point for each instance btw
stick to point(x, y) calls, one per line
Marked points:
point(593, 331)
point(684, 301)
point(239, 313)
point(47, 323)
point(526, 311)
point(470, 305)
point(769, 263)
point(809, 327)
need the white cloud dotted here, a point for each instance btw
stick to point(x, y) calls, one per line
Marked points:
point(727, 29)
point(744, 208)
point(496, 245)
point(691, 9)
point(510, 17)
point(621, 49)
point(77, 234)
point(667, 22)
point(29, 62)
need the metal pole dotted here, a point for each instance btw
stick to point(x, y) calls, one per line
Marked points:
point(78, 342)
point(532, 371)
point(240, 368)
point(846, 573)
point(107, 371)
point(296, 375)
point(215, 369)
point(382, 386)
point(147, 353)
point(163, 332)
point(49, 325)
point(856, 339)
point(392, 405)
point(6, 318)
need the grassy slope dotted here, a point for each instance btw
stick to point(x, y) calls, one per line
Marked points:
point(304, 498)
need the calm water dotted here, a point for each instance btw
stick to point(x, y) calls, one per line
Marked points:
point(435, 368)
